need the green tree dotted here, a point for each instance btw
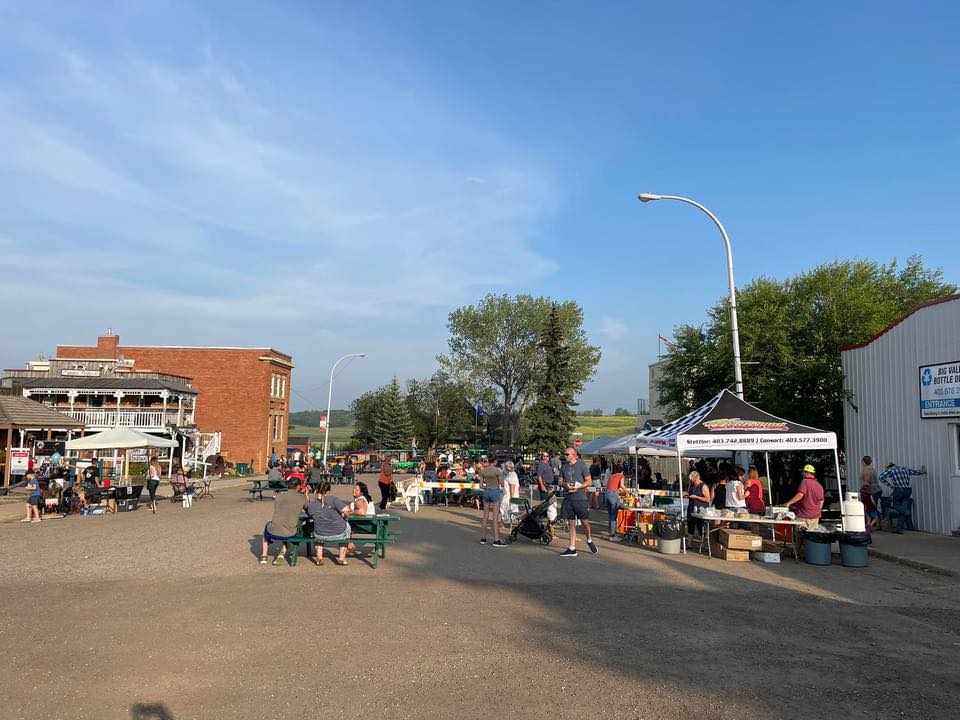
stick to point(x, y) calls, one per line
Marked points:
point(791, 333)
point(366, 409)
point(393, 427)
point(621, 412)
point(551, 418)
point(495, 345)
point(440, 408)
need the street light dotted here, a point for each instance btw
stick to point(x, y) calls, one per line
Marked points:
point(326, 432)
point(734, 330)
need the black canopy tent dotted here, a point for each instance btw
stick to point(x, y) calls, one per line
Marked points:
point(727, 423)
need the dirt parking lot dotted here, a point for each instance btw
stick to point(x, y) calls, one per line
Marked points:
point(170, 616)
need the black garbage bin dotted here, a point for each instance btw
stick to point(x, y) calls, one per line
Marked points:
point(853, 549)
point(669, 533)
point(816, 548)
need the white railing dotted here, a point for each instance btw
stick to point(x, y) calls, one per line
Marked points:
point(137, 419)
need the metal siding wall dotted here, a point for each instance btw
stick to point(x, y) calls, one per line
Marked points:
point(884, 380)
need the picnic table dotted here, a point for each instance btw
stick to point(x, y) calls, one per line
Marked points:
point(449, 487)
point(258, 485)
point(372, 529)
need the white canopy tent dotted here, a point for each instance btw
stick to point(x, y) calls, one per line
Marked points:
point(726, 423)
point(124, 439)
point(120, 439)
point(627, 445)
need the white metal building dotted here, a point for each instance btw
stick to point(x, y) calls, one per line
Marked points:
point(905, 407)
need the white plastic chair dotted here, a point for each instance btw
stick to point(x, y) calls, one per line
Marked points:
point(412, 492)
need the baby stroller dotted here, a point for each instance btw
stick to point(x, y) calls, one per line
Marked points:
point(535, 524)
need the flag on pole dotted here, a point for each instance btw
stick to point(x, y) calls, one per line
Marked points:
point(481, 411)
point(668, 342)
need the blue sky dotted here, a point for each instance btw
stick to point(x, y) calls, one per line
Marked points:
point(327, 178)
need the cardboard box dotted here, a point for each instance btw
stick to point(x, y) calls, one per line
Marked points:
point(765, 557)
point(769, 546)
point(733, 555)
point(740, 539)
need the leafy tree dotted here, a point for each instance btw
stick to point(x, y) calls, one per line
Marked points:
point(551, 418)
point(621, 412)
point(366, 409)
point(791, 333)
point(494, 345)
point(393, 428)
point(441, 408)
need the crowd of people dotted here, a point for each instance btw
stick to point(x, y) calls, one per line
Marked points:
point(58, 488)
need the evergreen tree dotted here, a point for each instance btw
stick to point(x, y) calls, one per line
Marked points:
point(551, 419)
point(393, 426)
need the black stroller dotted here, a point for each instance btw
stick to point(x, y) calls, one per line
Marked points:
point(535, 524)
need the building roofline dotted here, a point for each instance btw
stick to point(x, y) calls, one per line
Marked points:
point(166, 347)
point(891, 326)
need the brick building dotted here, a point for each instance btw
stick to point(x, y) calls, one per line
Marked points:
point(245, 391)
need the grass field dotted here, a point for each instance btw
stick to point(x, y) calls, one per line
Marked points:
point(615, 426)
point(591, 427)
point(338, 435)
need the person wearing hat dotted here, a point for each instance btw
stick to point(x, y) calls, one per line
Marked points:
point(807, 502)
point(897, 479)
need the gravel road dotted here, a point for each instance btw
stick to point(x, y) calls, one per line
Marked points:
point(170, 616)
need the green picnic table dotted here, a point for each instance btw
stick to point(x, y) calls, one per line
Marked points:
point(372, 529)
point(258, 485)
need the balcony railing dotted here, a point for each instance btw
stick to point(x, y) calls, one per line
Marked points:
point(136, 419)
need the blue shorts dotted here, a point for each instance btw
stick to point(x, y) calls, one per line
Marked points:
point(274, 538)
point(492, 496)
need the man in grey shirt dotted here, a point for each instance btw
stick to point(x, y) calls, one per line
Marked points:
point(575, 478)
point(545, 479)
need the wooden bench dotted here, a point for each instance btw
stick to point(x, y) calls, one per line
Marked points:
point(293, 545)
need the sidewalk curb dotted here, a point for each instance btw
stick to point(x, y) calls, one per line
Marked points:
point(913, 563)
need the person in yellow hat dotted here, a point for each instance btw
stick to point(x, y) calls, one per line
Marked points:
point(807, 503)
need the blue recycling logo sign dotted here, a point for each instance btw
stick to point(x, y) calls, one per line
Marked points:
point(927, 378)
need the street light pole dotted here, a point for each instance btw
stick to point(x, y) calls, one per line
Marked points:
point(326, 432)
point(734, 328)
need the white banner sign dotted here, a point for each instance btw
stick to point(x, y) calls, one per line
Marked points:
point(818, 441)
point(940, 390)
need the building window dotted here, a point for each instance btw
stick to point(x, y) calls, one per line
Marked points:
point(278, 427)
point(278, 385)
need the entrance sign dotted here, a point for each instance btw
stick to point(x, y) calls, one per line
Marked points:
point(940, 390)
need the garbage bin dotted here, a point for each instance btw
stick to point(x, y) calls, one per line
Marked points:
point(669, 533)
point(816, 546)
point(853, 549)
point(242, 469)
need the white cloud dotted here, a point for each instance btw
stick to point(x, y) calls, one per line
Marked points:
point(183, 198)
point(613, 328)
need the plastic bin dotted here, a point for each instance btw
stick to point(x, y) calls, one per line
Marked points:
point(816, 547)
point(668, 547)
point(853, 549)
point(668, 529)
